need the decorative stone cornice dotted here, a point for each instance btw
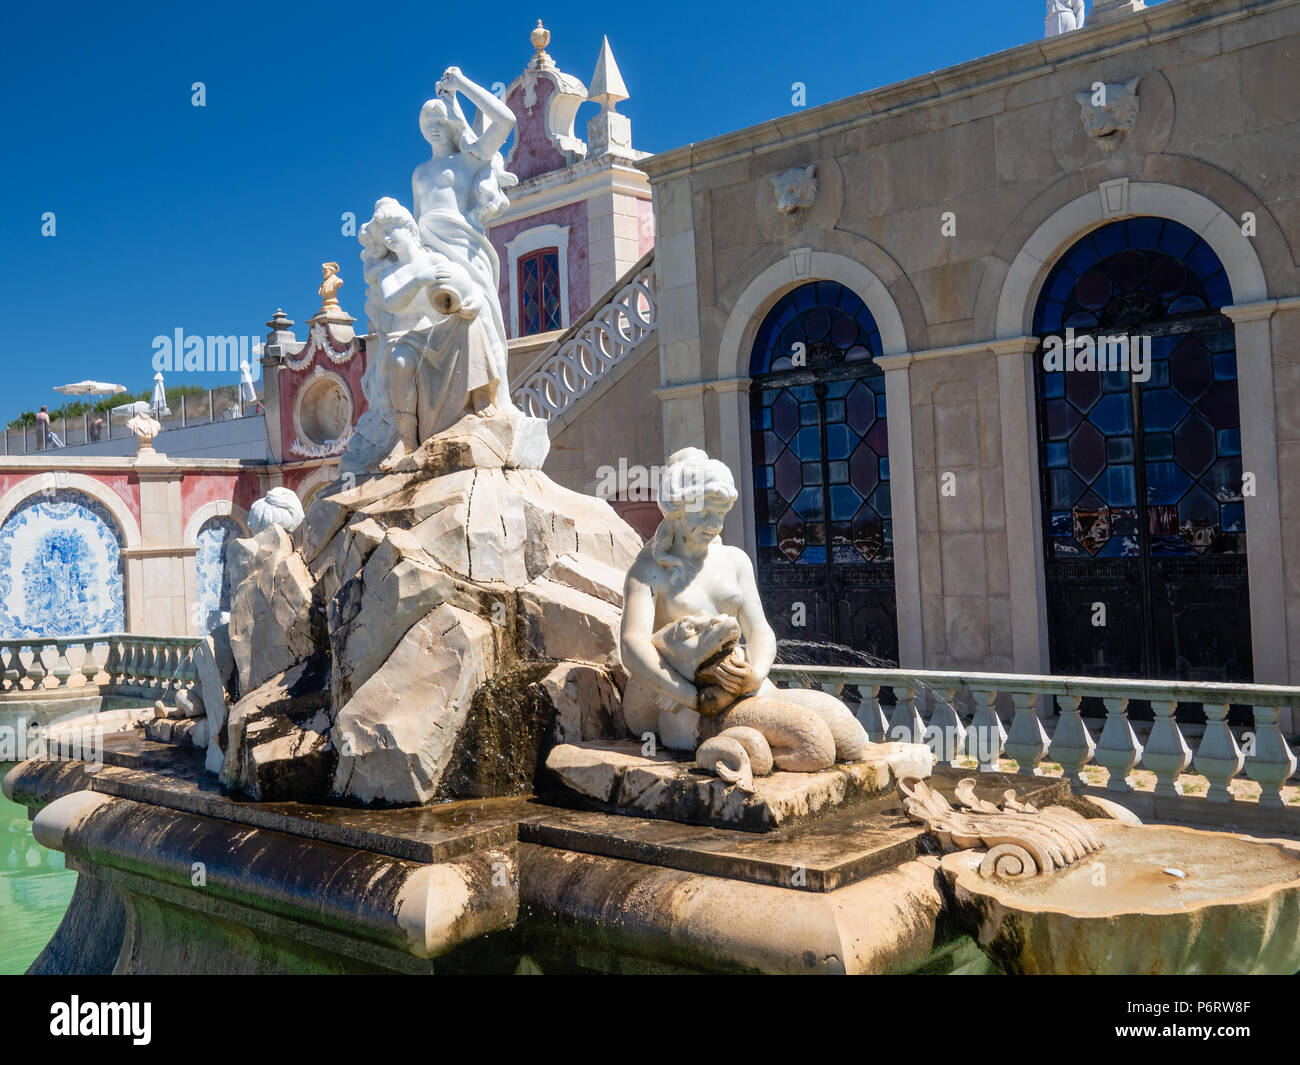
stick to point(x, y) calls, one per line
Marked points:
point(1088, 47)
point(1262, 309)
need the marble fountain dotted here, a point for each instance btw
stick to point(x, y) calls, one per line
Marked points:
point(462, 720)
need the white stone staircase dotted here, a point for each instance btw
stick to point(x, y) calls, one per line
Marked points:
point(576, 361)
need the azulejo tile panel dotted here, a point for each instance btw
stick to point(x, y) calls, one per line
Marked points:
point(61, 568)
point(214, 586)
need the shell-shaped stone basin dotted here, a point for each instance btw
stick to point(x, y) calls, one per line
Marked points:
point(1235, 909)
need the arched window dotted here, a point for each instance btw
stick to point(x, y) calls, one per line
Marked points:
point(61, 568)
point(1140, 449)
point(821, 472)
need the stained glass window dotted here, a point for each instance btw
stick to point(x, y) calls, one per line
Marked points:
point(1139, 278)
point(1140, 449)
point(539, 292)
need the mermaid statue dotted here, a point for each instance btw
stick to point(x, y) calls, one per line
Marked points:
point(432, 283)
point(698, 648)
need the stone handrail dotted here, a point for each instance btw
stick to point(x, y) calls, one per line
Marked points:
point(594, 345)
point(1267, 759)
point(115, 663)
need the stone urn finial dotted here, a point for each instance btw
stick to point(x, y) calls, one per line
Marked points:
point(540, 37)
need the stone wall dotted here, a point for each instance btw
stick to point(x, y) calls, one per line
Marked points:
point(999, 143)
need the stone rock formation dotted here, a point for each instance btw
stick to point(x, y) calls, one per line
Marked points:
point(425, 631)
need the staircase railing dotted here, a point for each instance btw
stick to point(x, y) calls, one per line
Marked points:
point(575, 361)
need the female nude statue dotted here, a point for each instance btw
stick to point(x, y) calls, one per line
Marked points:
point(686, 596)
point(432, 281)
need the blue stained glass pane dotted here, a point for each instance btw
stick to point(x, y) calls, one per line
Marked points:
point(1060, 523)
point(1053, 385)
point(837, 390)
point(884, 469)
point(1162, 409)
point(1114, 381)
point(1050, 317)
point(1080, 257)
point(835, 409)
point(766, 536)
point(1113, 414)
point(880, 500)
point(1218, 291)
point(844, 502)
point(809, 504)
point(1225, 366)
point(812, 473)
point(1062, 287)
point(1117, 486)
point(1066, 488)
point(1229, 441)
point(839, 472)
point(1159, 445)
point(1118, 449)
point(1166, 483)
point(1159, 374)
point(880, 406)
point(804, 393)
point(1232, 516)
point(839, 441)
point(1058, 454)
point(807, 444)
point(813, 556)
point(1145, 233)
point(1184, 304)
point(1108, 240)
point(808, 413)
point(1177, 240)
point(805, 296)
point(1202, 261)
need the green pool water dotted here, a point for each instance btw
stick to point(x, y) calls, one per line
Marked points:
point(34, 889)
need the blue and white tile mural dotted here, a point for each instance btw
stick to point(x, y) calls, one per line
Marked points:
point(214, 584)
point(61, 568)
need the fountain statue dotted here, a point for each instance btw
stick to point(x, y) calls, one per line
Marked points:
point(432, 280)
point(688, 604)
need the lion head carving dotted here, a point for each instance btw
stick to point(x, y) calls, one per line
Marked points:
point(1110, 110)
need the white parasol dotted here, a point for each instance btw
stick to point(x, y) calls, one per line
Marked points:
point(90, 388)
point(158, 404)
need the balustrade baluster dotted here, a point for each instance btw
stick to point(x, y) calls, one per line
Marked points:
point(113, 661)
point(13, 667)
point(871, 715)
point(1272, 761)
point(1027, 741)
point(36, 672)
point(89, 665)
point(1118, 749)
point(946, 734)
point(62, 667)
point(905, 725)
point(1218, 758)
point(1072, 744)
point(986, 731)
point(1166, 753)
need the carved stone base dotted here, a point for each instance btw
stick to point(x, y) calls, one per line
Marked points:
point(499, 441)
point(615, 776)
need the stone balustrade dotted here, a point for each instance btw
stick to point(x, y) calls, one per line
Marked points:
point(115, 663)
point(1222, 754)
point(590, 349)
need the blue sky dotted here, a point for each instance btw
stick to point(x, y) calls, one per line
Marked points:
point(207, 218)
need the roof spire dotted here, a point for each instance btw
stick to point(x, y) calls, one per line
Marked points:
point(607, 88)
